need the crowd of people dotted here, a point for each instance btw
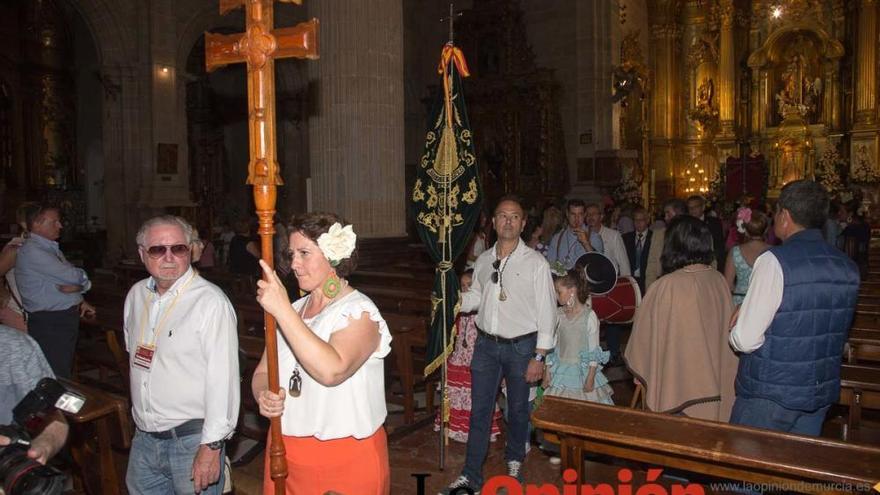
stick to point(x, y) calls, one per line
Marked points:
point(730, 327)
point(751, 332)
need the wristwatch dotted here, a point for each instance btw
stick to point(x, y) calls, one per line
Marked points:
point(215, 445)
point(539, 357)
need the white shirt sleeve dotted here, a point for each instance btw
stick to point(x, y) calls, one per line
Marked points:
point(222, 392)
point(760, 304)
point(615, 250)
point(621, 256)
point(545, 306)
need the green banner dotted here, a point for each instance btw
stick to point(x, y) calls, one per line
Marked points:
point(446, 200)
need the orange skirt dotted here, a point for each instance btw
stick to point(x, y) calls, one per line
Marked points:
point(346, 466)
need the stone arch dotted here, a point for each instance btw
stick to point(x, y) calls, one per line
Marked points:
point(114, 44)
point(199, 22)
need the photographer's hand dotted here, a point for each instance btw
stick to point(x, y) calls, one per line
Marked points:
point(4, 441)
point(49, 441)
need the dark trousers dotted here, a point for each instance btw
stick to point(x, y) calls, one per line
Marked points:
point(493, 361)
point(56, 332)
point(613, 333)
point(764, 413)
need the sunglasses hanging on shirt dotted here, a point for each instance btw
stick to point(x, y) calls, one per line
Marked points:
point(498, 277)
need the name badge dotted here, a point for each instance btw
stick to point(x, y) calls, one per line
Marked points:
point(143, 356)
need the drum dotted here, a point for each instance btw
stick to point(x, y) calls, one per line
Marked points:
point(619, 304)
point(601, 272)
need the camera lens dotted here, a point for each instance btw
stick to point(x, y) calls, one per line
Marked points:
point(21, 475)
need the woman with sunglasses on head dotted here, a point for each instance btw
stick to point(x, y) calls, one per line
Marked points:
point(331, 346)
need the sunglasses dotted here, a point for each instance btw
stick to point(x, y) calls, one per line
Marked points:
point(178, 250)
point(495, 265)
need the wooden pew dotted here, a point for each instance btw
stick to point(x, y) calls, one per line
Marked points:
point(400, 301)
point(862, 345)
point(408, 343)
point(393, 278)
point(103, 419)
point(859, 388)
point(251, 348)
point(714, 449)
point(102, 346)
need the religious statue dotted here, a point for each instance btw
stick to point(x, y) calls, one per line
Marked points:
point(705, 112)
point(801, 93)
point(704, 95)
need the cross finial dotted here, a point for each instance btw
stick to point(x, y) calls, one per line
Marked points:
point(451, 19)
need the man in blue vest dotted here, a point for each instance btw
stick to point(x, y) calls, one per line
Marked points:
point(794, 321)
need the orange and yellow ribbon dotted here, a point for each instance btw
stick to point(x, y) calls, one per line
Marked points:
point(454, 54)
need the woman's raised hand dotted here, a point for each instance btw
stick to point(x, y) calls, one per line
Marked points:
point(271, 293)
point(271, 405)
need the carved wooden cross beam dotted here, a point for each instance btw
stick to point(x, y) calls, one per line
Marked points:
point(259, 46)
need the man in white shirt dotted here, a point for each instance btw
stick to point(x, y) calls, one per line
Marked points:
point(794, 320)
point(615, 250)
point(513, 291)
point(611, 240)
point(180, 332)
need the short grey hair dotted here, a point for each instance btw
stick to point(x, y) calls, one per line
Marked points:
point(165, 220)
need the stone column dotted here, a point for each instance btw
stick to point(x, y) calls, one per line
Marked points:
point(866, 65)
point(166, 172)
point(727, 71)
point(356, 140)
point(122, 147)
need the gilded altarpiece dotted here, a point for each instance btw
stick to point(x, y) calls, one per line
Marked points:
point(796, 64)
point(784, 79)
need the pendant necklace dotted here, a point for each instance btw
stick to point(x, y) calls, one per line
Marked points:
point(502, 296)
point(294, 385)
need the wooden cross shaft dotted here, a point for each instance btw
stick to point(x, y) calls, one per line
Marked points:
point(258, 47)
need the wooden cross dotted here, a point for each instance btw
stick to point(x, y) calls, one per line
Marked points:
point(259, 46)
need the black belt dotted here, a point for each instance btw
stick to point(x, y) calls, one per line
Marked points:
point(504, 340)
point(186, 429)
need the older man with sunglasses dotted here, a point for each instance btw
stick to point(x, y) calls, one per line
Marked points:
point(51, 288)
point(180, 333)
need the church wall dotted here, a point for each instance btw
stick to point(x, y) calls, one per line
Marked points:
point(552, 28)
point(10, 60)
point(89, 134)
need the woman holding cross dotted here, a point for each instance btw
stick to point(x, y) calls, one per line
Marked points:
point(334, 341)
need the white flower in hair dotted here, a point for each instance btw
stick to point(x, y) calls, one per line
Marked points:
point(337, 243)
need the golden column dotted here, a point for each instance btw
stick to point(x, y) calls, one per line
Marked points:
point(665, 106)
point(727, 71)
point(866, 82)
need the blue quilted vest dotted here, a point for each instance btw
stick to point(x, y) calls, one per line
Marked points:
point(798, 366)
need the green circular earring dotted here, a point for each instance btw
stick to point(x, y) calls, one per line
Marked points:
point(331, 287)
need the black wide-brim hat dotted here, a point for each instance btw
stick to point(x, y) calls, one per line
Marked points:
point(600, 270)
